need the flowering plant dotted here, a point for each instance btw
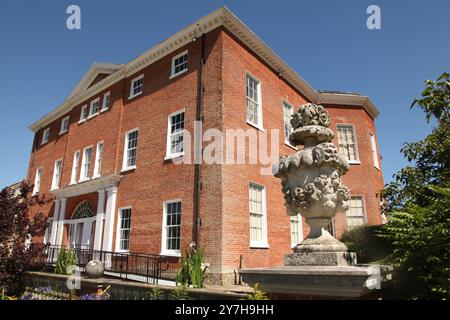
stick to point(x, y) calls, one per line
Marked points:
point(99, 295)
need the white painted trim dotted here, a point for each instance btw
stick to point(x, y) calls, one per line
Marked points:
point(62, 130)
point(75, 167)
point(172, 67)
point(358, 159)
point(107, 94)
point(97, 170)
point(363, 202)
point(259, 125)
point(88, 186)
point(45, 136)
point(131, 96)
point(38, 173)
point(168, 144)
point(374, 149)
point(125, 149)
point(83, 114)
point(90, 114)
point(54, 187)
point(299, 230)
point(164, 250)
point(83, 163)
point(119, 218)
point(264, 243)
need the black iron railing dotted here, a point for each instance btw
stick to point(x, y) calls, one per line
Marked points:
point(132, 266)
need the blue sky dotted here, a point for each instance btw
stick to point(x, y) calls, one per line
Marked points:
point(326, 42)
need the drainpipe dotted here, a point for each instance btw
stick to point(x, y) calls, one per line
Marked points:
point(197, 166)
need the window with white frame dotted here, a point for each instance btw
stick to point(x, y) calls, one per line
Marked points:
point(171, 227)
point(75, 165)
point(287, 113)
point(373, 145)
point(296, 229)
point(137, 86)
point(86, 164)
point(37, 181)
point(45, 136)
point(355, 213)
point(257, 212)
point(175, 134)
point(123, 230)
point(254, 111)
point(347, 142)
point(83, 113)
point(98, 159)
point(106, 101)
point(95, 106)
point(57, 174)
point(130, 150)
point(64, 125)
point(179, 64)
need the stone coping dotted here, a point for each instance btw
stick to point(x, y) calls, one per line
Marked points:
point(231, 292)
point(358, 270)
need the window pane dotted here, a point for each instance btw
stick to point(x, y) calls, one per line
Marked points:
point(173, 222)
point(355, 214)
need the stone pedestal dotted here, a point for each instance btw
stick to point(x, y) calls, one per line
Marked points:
point(342, 258)
point(319, 281)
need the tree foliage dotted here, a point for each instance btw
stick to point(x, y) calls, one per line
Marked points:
point(18, 225)
point(418, 205)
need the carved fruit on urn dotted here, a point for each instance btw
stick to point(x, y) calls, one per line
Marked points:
point(310, 177)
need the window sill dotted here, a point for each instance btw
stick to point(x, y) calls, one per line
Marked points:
point(378, 168)
point(123, 251)
point(259, 246)
point(173, 156)
point(170, 253)
point(255, 126)
point(354, 162)
point(83, 180)
point(96, 176)
point(290, 145)
point(128, 169)
point(81, 121)
point(134, 95)
point(92, 116)
point(177, 74)
point(104, 110)
point(72, 183)
point(61, 133)
point(42, 143)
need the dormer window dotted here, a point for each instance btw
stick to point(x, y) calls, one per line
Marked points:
point(45, 136)
point(95, 106)
point(179, 64)
point(137, 86)
point(64, 125)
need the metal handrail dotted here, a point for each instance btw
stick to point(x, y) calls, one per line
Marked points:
point(138, 266)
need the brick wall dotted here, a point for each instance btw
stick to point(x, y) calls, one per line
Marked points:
point(224, 195)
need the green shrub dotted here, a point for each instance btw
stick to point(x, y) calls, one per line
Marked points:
point(180, 293)
point(65, 259)
point(154, 293)
point(192, 270)
point(257, 294)
point(367, 244)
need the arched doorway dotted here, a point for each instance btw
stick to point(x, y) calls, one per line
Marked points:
point(81, 226)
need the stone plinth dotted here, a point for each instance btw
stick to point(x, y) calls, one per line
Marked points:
point(320, 259)
point(325, 281)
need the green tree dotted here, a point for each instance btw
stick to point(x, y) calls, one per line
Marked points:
point(418, 205)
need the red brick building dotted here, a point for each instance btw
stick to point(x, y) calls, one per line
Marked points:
point(107, 153)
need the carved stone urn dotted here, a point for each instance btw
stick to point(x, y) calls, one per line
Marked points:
point(312, 187)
